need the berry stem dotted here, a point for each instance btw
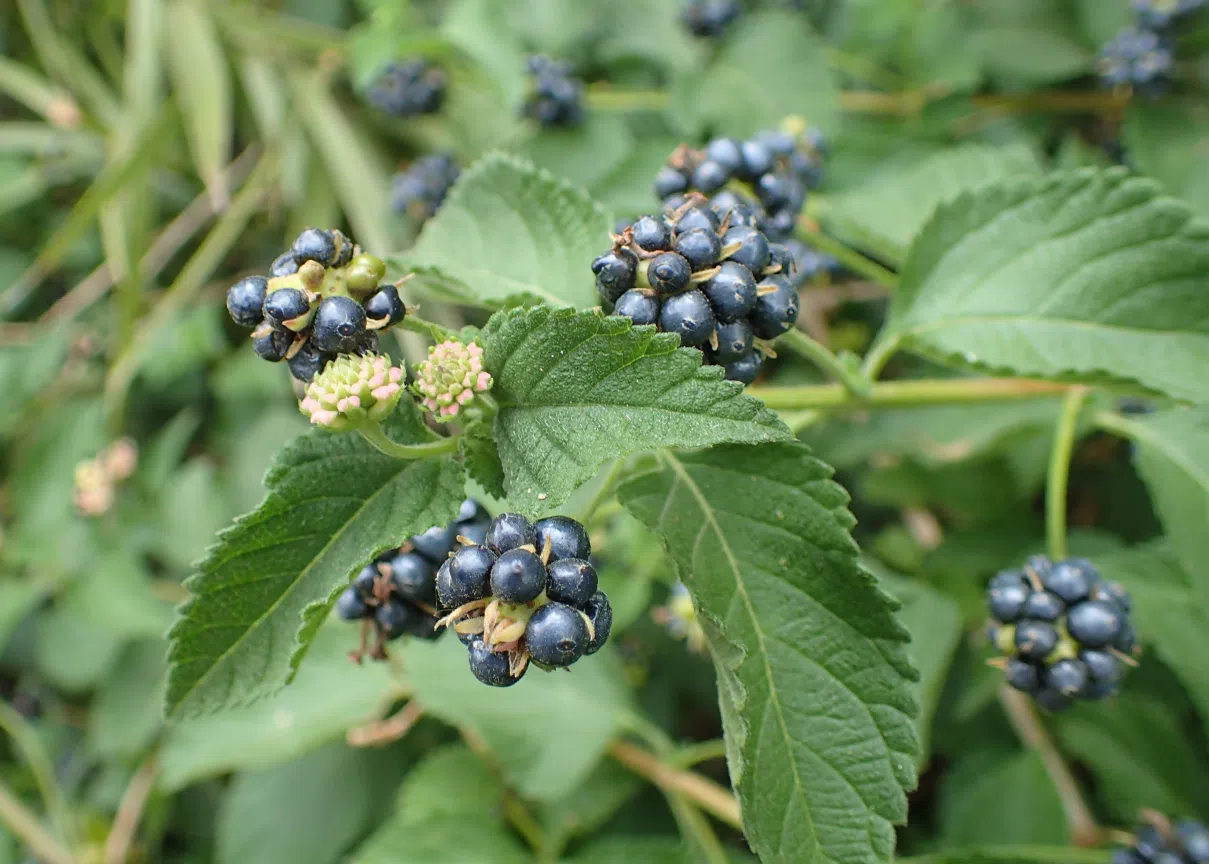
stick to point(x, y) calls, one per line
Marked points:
point(18, 819)
point(907, 394)
point(708, 795)
point(846, 255)
point(372, 432)
point(1023, 717)
point(701, 751)
point(819, 354)
point(130, 811)
point(1059, 471)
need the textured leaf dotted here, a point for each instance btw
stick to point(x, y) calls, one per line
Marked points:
point(1168, 140)
point(773, 65)
point(1172, 454)
point(1086, 275)
point(815, 687)
point(892, 208)
point(333, 502)
point(482, 458)
point(578, 390)
point(508, 228)
point(585, 706)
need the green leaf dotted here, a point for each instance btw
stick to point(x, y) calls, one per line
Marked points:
point(329, 695)
point(127, 713)
point(585, 154)
point(998, 798)
point(601, 794)
point(1031, 55)
point(1012, 855)
point(333, 502)
point(1167, 141)
point(815, 687)
point(1172, 455)
point(482, 458)
point(644, 850)
point(889, 211)
point(202, 81)
point(585, 706)
point(431, 826)
point(578, 390)
point(1086, 275)
point(508, 228)
point(772, 66)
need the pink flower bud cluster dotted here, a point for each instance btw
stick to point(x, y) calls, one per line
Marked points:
point(351, 390)
point(451, 376)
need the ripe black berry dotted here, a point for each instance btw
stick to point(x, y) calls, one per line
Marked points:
point(350, 606)
point(641, 307)
point(709, 19)
point(734, 340)
point(488, 666)
point(600, 613)
point(436, 543)
point(726, 152)
point(555, 98)
point(1102, 666)
point(1070, 580)
point(1035, 640)
point(412, 577)
point(731, 292)
point(315, 244)
point(556, 635)
point(509, 531)
point(518, 577)
point(615, 274)
point(688, 315)
point(1023, 676)
point(1043, 606)
point(669, 273)
point(567, 538)
point(571, 581)
point(273, 346)
point(1193, 838)
point(1095, 623)
point(393, 618)
point(245, 301)
point(697, 217)
point(729, 205)
point(700, 247)
point(775, 191)
point(709, 177)
point(747, 368)
point(777, 309)
point(284, 264)
point(408, 88)
point(420, 190)
point(753, 247)
point(466, 578)
point(1142, 59)
point(385, 305)
point(651, 234)
point(669, 181)
point(363, 582)
point(1067, 676)
point(1007, 595)
point(288, 308)
point(757, 158)
point(308, 362)
point(339, 324)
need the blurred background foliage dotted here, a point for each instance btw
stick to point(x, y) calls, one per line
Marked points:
point(153, 151)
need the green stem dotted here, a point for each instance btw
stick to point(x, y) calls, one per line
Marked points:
point(435, 332)
point(26, 740)
point(878, 357)
point(16, 817)
point(821, 356)
point(372, 432)
point(702, 751)
point(608, 99)
point(849, 257)
point(604, 491)
point(1059, 472)
point(907, 394)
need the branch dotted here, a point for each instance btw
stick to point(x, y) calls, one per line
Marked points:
point(908, 394)
point(130, 812)
point(1059, 472)
point(706, 794)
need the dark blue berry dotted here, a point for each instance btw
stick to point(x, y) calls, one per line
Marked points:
point(1070, 580)
point(808, 167)
point(315, 244)
point(669, 181)
point(363, 583)
point(1035, 640)
point(571, 581)
point(509, 531)
point(1149, 842)
point(709, 177)
point(1128, 856)
point(273, 346)
point(475, 532)
point(730, 203)
point(350, 606)
point(727, 153)
point(1023, 676)
point(472, 511)
point(780, 225)
point(651, 234)
point(778, 142)
point(412, 577)
point(1102, 666)
point(731, 292)
point(1126, 640)
point(697, 217)
point(567, 538)
point(1114, 592)
point(394, 618)
point(734, 341)
point(757, 159)
point(489, 666)
point(600, 613)
point(556, 635)
point(669, 273)
point(615, 273)
point(700, 247)
point(688, 315)
point(285, 305)
point(466, 582)
point(385, 304)
point(753, 247)
point(747, 368)
point(308, 362)
point(422, 625)
point(1053, 700)
point(406, 89)
point(1139, 58)
point(1067, 676)
point(1043, 606)
point(1094, 623)
point(776, 310)
point(779, 256)
point(420, 190)
point(641, 307)
point(1193, 838)
point(774, 190)
point(518, 577)
point(1006, 595)
point(245, 301)
point(284, 264)
point(436, 543)
point(339, 324)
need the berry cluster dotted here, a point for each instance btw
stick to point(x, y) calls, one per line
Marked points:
point(708, 275)
point(1161, 14)
point(1162, 843)
point(408, 88)
point(524, 593)
point(1064, 629)
point(555, 97)
point(396, 592)
point(709, 19)
point(1139, 58)
point(421, 189)
point(322, 298)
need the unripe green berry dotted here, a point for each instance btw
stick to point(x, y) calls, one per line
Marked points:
point(364, 274)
